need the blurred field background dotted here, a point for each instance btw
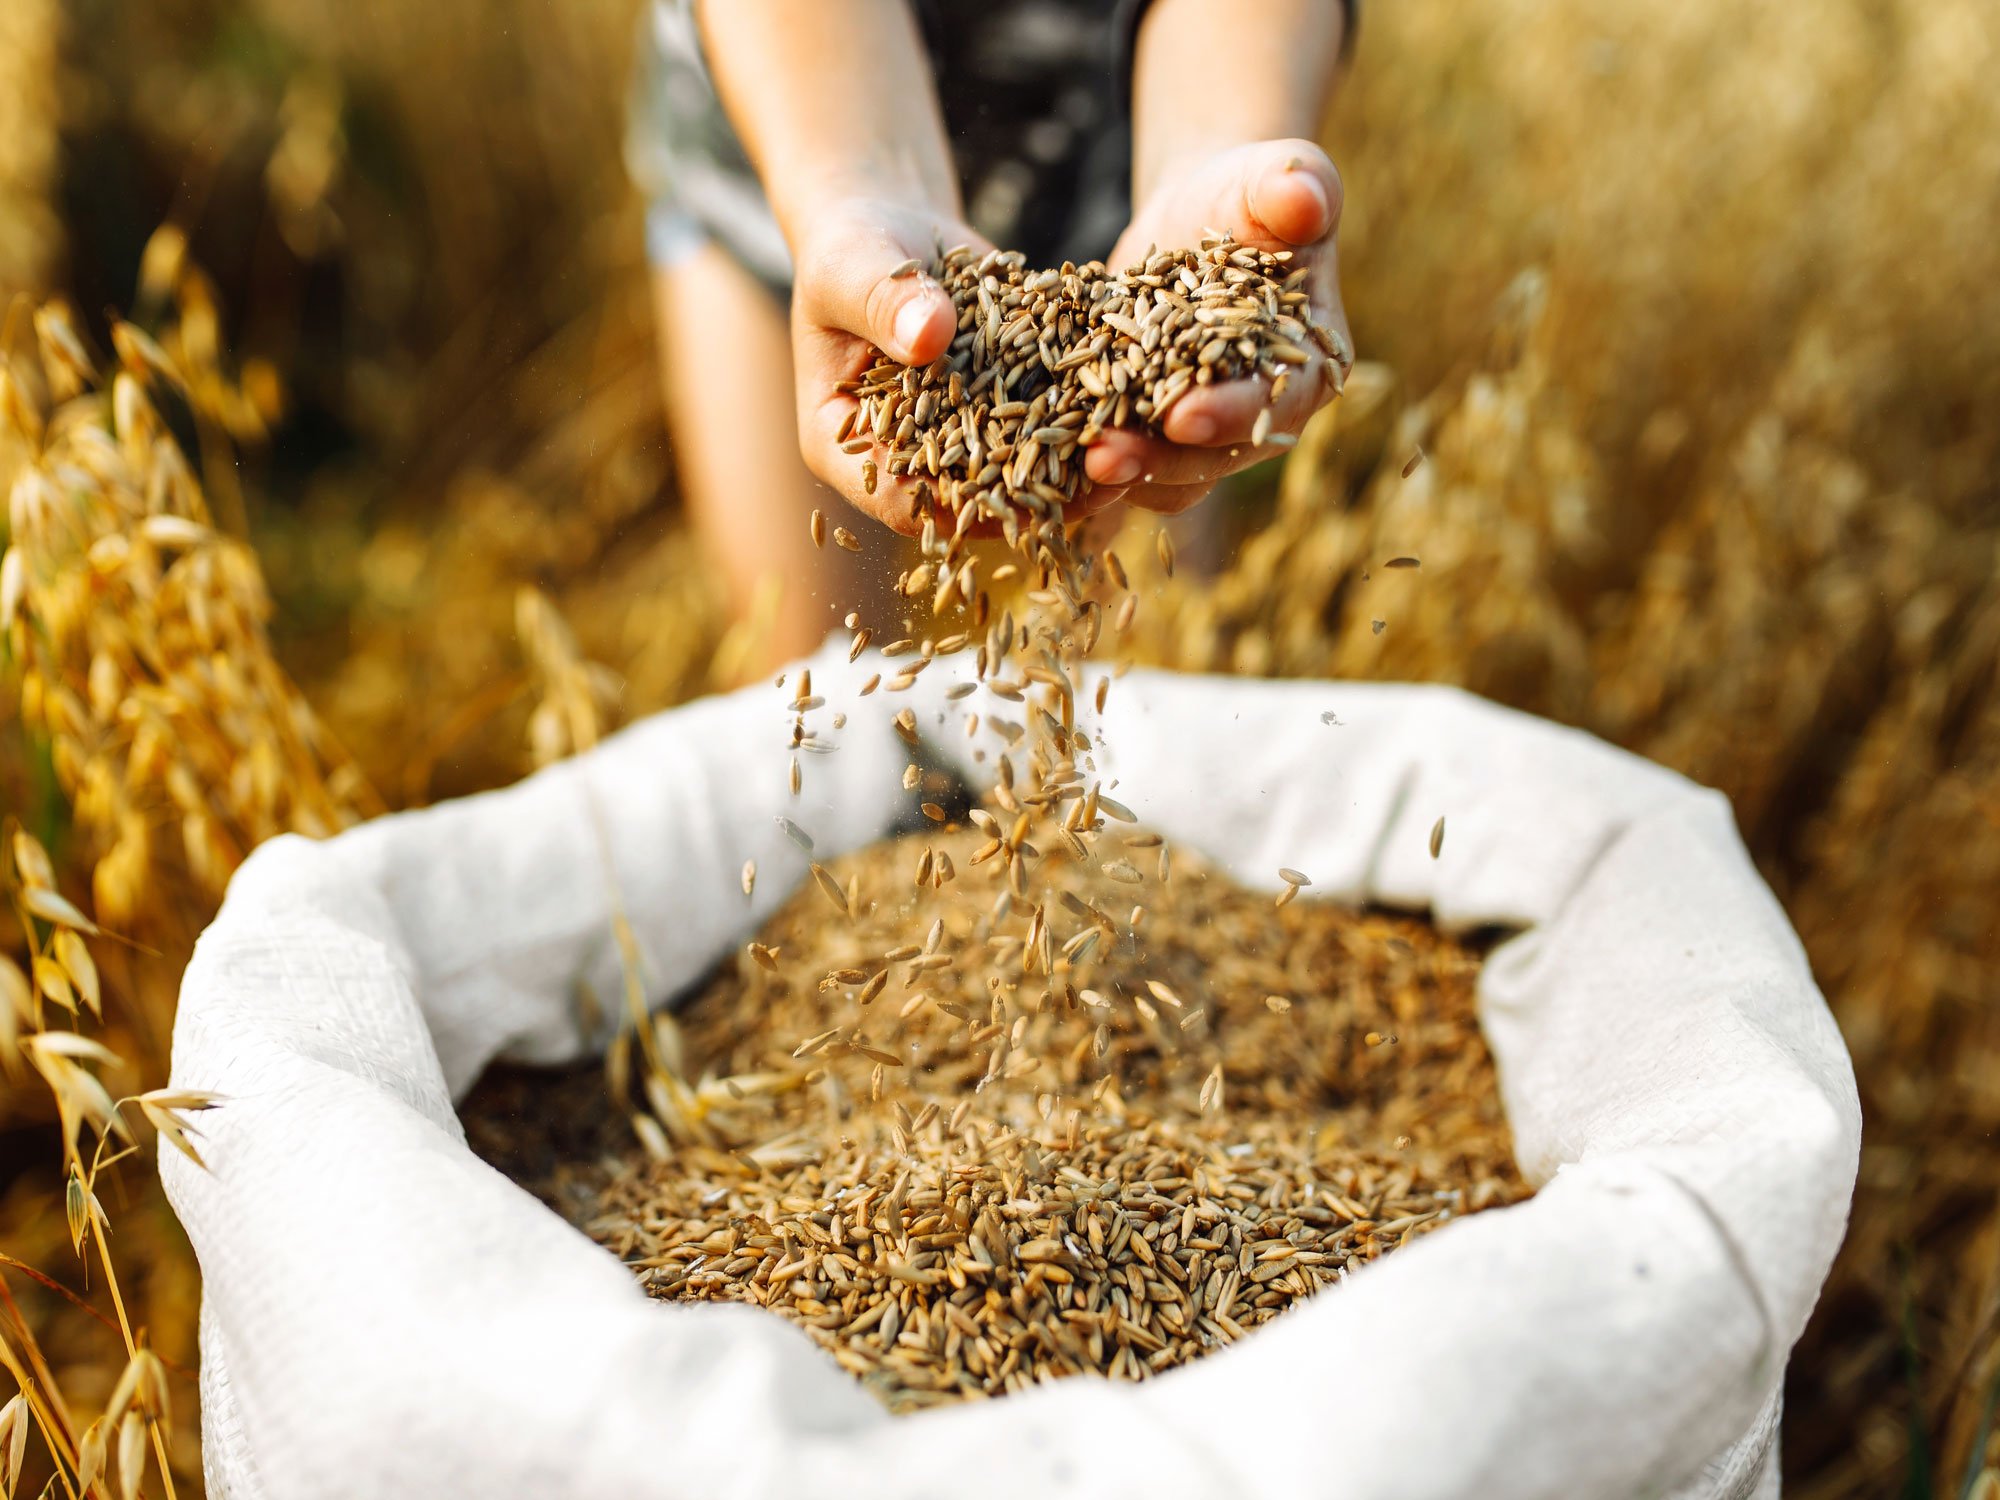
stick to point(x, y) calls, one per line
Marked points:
point(1693, 308)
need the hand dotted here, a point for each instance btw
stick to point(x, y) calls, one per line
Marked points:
point(847, 304)
point(1272, 195)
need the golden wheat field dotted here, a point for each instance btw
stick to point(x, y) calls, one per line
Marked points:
point(347, 489)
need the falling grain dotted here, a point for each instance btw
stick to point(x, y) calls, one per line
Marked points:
point(1211, 1091)
point(831, 887)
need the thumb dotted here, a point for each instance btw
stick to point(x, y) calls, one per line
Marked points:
point(1274, 195)
point(861, 281)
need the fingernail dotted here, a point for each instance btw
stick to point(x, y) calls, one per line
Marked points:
point(1322, 205)
point(1122, 470)
point(911, 320)
point(1197, 430)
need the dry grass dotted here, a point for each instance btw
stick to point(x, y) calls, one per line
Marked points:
point(138, 628)
point(30, 234)
point(48, 1004)
point(1692, 309)
point(138, 659)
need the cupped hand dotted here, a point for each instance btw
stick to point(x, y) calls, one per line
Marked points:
point(1271, 195)
point(847, 303)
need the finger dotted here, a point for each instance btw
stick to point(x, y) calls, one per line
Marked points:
point(897, 504)
point(1330, 312)
point(1152, 460)
point(1272, 195)
point(848, 281)
point(897, 501)
point(1115, 460)
point(894, 500)
point(1160, 499)
point(1226, 414)
point(1291, 193)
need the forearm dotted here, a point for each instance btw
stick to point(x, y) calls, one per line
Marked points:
point(1211, 74)
point(832, 99)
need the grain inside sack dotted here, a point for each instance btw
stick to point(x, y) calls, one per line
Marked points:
point(849, 1156)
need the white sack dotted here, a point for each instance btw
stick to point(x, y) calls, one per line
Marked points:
point(386, 1316)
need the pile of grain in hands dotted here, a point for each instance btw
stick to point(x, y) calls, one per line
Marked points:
point(1118, 1112)
point(992, 434)
point(1043, 362)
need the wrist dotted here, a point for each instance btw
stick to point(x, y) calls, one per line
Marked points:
point(833, 101)
point(820, 191)
point(822, 188)
point(1291, 48)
